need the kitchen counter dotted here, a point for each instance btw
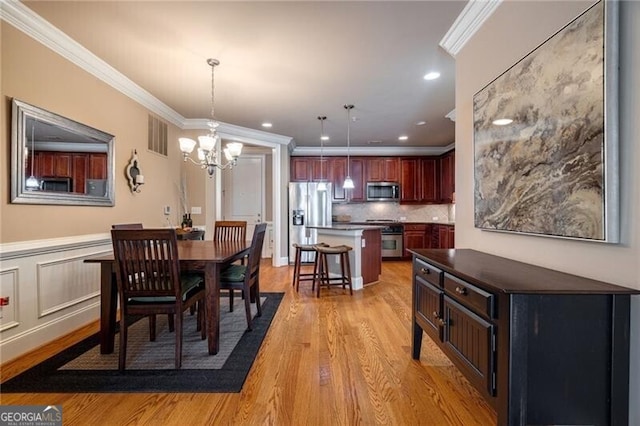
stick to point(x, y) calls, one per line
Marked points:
point(366, 256)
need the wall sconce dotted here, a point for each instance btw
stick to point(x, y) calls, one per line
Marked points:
point(134, 175)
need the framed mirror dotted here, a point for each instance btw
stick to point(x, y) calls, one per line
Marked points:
point(55, 160)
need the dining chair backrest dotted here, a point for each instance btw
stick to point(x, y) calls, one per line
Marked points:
point(127, 226)
point(147, 263)
point(255, 253)
point(230, 230)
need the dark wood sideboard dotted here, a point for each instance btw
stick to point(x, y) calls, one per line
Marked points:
point(541, 346)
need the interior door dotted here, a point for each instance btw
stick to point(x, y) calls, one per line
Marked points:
point(243, 191)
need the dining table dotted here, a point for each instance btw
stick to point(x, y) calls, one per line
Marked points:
point(199, 256)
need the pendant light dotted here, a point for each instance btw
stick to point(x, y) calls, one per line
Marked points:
point(32, 183)
point(322, 185)
point(207, 155)
point(348, 182)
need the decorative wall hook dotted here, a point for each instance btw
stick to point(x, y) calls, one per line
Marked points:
point(134, 174)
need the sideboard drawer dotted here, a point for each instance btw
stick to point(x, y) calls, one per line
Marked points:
point(428, 272)
point(469, 295)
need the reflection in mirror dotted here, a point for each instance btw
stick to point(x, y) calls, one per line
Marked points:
point(56, 160)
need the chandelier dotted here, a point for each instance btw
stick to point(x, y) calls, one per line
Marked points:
point(207, 150)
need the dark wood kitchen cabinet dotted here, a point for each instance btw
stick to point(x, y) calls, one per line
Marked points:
point(443, 235)
point(416, 236)
point(541, 346)
point(357, 171)
point(447, 177)
point(381, 169)
point(52, 164)
point(300, 169)
point(76, 167)
point(419, 180)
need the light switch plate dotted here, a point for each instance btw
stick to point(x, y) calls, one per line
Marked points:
point(167, 210)
point(196, 210)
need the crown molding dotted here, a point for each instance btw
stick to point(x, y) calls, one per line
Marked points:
point(26, 20)
point(452, 115)
point(238, 133)
point(33, 25)
point(474, 14)
point(369, 151)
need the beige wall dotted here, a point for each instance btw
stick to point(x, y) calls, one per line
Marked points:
point(36, 75)
point(509, 34)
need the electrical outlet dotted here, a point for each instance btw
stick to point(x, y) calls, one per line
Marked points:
point(167, 210)
point(364, 243)
point(196, 210)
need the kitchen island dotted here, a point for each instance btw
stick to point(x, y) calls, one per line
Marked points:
point(366, 256)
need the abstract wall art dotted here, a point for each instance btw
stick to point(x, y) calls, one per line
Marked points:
point(545, 136)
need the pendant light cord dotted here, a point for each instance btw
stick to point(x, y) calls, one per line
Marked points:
point(348, 108)
point(321, 118)
point(33, 146)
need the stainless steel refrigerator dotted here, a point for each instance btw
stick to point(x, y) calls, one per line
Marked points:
point(307, 207)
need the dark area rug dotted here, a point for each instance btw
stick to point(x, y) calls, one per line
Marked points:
point(81, 368)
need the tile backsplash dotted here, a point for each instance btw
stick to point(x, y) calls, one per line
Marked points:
point(395, 211)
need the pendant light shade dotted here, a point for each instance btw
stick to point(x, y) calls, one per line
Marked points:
point(348, 182)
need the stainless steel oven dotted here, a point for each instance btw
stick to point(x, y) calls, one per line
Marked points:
point(392, 241)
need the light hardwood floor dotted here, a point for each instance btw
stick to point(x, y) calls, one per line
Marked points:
point(337, 360)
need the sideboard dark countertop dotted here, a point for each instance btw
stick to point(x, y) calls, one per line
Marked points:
point(499, 274)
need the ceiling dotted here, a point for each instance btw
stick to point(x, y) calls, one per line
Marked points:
point(283, 62)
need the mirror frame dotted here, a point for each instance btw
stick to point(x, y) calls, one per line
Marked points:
point(19, 193)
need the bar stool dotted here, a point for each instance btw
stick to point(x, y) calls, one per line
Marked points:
point(297, 265)
point(345, 267)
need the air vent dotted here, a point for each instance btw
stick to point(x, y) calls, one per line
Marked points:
point(157, 135)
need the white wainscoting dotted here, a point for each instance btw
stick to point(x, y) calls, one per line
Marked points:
point(51, 290)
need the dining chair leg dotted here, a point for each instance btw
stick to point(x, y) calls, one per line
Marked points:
point(255, 295)
point(178, 340)
point(122, 358)
point(231, 299)
point(172, 326)
point(152, 328)
point(247, 308)
point(202, 311)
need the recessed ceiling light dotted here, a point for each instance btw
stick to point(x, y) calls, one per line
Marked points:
point(267, 125)
point(432, 75)
point(403, 138)
point(421, 123)
point(324, 138)
point(502, 121)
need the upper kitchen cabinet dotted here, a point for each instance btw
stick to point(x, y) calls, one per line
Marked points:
point(309, 169)
point(357, 172)
point(447, 177)
point(383, 169)
point(300, 169)
point(337, 175)
point(419, 180)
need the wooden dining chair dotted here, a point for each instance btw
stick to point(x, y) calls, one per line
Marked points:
point(247, 277)
point(230, 230)
point(150, 283)
point(152, 318)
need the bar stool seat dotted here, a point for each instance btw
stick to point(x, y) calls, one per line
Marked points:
point(298, 275)
point(323, 264)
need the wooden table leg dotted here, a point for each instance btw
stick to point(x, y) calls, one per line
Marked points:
point(108, 305)
point(213, 305)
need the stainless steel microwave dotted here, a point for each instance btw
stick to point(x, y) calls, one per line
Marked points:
point(383, 191)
